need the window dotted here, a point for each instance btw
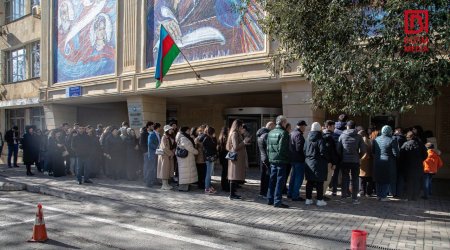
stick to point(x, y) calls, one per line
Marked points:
point(15, 9)
point(23, 63)
point(35, 59)
point(17, 65)
point(16, 117)
point(37, 117)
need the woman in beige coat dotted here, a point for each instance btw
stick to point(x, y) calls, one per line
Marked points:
point(237, 168)
point(187, 170)
point(166, 159)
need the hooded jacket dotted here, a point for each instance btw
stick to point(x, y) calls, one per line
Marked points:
point(351, 146)
point(432, 163)
point(261, 134)
point(330, 143)
point(385, 151)
point(316, 157)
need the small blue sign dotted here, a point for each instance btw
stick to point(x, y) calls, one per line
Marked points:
point(73, 91)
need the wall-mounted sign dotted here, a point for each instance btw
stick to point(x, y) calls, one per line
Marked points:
point(135, 115)
point(73, 91)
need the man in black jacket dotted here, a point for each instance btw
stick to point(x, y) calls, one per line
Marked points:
point(263, 160)
point(81, 148)
point(333, 156)
point(12, 139)
point(297, 157)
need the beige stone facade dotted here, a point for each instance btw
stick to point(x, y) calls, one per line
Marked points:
point(236, 81)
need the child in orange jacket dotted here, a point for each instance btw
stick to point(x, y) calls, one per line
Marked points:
point(430, 168)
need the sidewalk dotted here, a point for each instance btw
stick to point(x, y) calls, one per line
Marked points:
point(390, 225)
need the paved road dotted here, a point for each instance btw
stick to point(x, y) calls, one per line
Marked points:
point(116, 225)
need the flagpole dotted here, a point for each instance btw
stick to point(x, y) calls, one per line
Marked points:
point(195, 72)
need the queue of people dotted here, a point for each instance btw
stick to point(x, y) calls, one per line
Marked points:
point(370, 162)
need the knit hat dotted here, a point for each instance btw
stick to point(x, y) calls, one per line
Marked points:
point(316, 127)
point(386, 130)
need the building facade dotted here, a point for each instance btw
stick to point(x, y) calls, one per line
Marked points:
point(92, 61)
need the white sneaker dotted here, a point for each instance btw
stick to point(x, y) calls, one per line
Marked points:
point(321, 203)
point(309, 202)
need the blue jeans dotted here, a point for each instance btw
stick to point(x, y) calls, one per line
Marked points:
point(13, 150)
point(347, 169)
point(382, 190)
point(209, 171)
point(276, 183)
point(427, 187)
point(150, 168)
point(82, 168)
point(297, 176)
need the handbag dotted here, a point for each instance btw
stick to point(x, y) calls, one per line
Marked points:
point(181, 152)
point(211, 158)
point(159, 151)
point(232, 156)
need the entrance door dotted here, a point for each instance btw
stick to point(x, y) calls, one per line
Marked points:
point(385, 119)
point(253, 124)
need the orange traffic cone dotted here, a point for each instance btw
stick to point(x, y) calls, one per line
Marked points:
point(39, 231)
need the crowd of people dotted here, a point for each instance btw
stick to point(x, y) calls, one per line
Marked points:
point(368, 161)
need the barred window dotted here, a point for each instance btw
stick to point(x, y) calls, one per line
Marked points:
point(15, 9)
point(17, 65)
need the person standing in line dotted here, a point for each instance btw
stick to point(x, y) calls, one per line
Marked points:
point(114, 151)
point(143, 144)
point(297, 157)
point(401, 173)
point(153, 142)
point(2, 142)
point(316, 158)
point(12, 139)
point(56, 149)
point(333, 156)
point(186, 166)
point(263, 159)
point(104, 160)
point(222, 149)
point(430, 167)
point(30, 147)
point(412, 154)
point(133, 156)
point(165, 158)
point(278, 152)
point(210, 150)
point(200, 157)
point(70, 159)
point(366, 167)
point(385, 151)
point(80, 146)
point(237, 167)
point(340, 127)
point(350, 148)
point(95, 152)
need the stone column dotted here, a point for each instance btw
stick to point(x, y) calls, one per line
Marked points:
point(297, 104)
point(57, 114)
point(146, 108)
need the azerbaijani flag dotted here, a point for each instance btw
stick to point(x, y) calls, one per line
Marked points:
point(167, 53)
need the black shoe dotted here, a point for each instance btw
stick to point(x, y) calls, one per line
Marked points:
point(30, 174)
point(326, 198)
point(282, 206)
point(88, 181)
point(9, 166)
point(270, 203)
point(16, 166)
point(289, 196)
point(298, 199)
point(234, 197)
point(79, 182)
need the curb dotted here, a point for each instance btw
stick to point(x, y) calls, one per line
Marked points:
point(12, 186)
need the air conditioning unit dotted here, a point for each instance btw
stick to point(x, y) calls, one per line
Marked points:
point(36, 11)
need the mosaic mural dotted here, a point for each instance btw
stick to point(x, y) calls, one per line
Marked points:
point(85, 38)
point(205, 29)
